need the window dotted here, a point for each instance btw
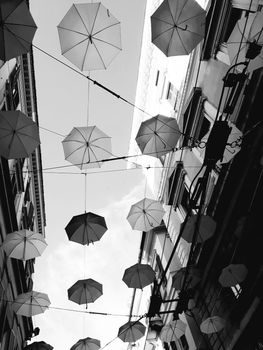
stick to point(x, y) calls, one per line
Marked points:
point(171, 94)
point(157, 77)
point(237, 290)
point(175, 183)
point(160, 270)
point(184, 342)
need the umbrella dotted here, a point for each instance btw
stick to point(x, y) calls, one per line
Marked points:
point(212, 324)
point(158, 135)
point(172, 331)
point(247, 31)
point(233, 274)
point(85, 291)
point(85, 147)
point(19, 135)
point(86, 344)
point(24, 244)
point(206, 228)
point(31, 303)
point(139, 276)
point(90, 36)
point(131, 331)
point(178, 26)
point(86, 228)
point(145, 214)
point(17, 29)
point(39, 345)
point(192, 279)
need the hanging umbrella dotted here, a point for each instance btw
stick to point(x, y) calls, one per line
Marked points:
point(86, 344)
point(85, 291)
point(145, 214)
point(24, 244)
point(206, 230)
point(39, 345)
point(247, 31)
point(233, 274)
point(158, 135)
point(85, 147)
point(31, 303)
point(173, 331)
point(17, 29)
point(19, 135)
point(131, 331)
point(90, 36)
point(139, 276)
point(86, 228)
point(192, 279)
point(178, 26)
point(212, 324)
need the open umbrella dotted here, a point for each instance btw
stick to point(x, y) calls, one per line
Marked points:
point(85, 291)
point(86, 344)
point(30, 303)
point(19, 135)
point(233, 274)
point(39, 345)
point(131, 331)
point(158, 135)
point(178, 26)
point(192, 279)
point(90, 36)
point(24, 244)
point(138, 276)
point(145, 214)
point(85, 147)
point(212, 324)
point(17, 29)
point(86, 228)
point(206, 228)
point(172, 331)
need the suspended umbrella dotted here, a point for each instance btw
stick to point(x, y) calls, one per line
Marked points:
point(24, 244)
point(192, 279)
point(139, 276)
point(85, 147)
point(131, 331)
point(86, 344)
point(178, 26)
point(86, 228)
point(39, 345)
point(158, 135)
point(85, 291)
point(233, 274)
point(212, 324)
point(17, 29)
point(145, 214)
point(173, 331)
point(19, 135)
point(206, 229)
point(31, 303)
point(248, 32)
point(90, 36)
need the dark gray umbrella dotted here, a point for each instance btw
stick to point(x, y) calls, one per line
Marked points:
point(85, 291)
point(39, 345)
point(138, 276)
point(86, 344)
point(131, 331)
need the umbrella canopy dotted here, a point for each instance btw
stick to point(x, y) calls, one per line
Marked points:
point(158, 135)
point(24, 244)
point(207, 228)
point(192, 279)
point(39, 345)
point(85, 291)
point(90, 36)
point(233, 274)
point(85, 147)
point(138, 276)
point(86, 228)
point(145, 214)
point(247, 31)
point(131, 331)
point(212, 324)
point(173, 331)
point(19, 135)
point(178, 26)
point(86, 344)
point(17, 29)
point(31, 303)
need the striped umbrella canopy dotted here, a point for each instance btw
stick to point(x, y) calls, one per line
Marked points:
point(131, 331)
point(138, 276)
point(31, 303)
point(86, 344)
point(85, 291)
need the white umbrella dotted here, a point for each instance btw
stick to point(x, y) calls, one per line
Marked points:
point(145, 214)
point(90, 36)
point(172, 331)
point(31, 303)
point(233, 274)
point(85, 147)
point(212, 324)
